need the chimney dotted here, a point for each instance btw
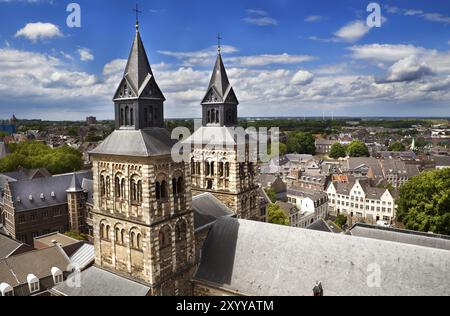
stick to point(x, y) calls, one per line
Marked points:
point(318, 289)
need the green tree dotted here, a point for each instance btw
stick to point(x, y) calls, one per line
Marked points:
point(421, 142)
point(301, 143)
point(424, 202)
point(338, 151)
point(397, 147)
point(3, 134)
point(277, 215)
point(358, 149)
point(75, 234)
point(271, 194)
point(341, 221)
point(72, 131)
point(33, 155)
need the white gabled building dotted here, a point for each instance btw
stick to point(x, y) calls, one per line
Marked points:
point(311, 205)
point(361, 201)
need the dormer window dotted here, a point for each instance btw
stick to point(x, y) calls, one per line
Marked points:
point(6, 290)
point(57, 275)
point(33, 283)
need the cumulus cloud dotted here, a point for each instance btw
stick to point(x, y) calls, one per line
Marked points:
point(302, 77)
point(408, 69)
point(352, 32)
point(39, 31)
point(85, 54)
point(429, 16)
point(385, 52)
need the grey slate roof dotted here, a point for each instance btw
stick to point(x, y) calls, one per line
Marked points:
point(98, 282)
point(88, 186)
point(14, 270)
point(8, 246)
point(315, 195)
point(84, 256)
point(324, 226)
point(268, 260)
point(442, 161)
point(401, 236)
point(141, 143)
point(75, 185)
point(220, 84)
point(138, 72)
point(57, 184)
point(207, 209)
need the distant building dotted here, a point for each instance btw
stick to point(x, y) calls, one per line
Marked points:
point(33, 273)
point(361, 201)
point(311, 205)
point(38, 205)
point(9, 126)
point(90, 120)
point(323, 146)
point(397, 173)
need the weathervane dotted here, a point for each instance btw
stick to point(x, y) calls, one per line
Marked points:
point(137, 16)
point(219, 49)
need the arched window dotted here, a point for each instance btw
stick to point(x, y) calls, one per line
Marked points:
point(139, 191)
point(212, 168)
point(139, 241)
point(102, 185)
point(102, 231)
point(217, 116)
point(107, 232)
point(133, 240)
point(213, 116)
point(108, 186)
point(158, 191)
point(221, 170)
point(180, 231)
point(131, 116)
point(207, 169)
point(117, 190)
point(165, 238)
point(122, 123)
point(164, 190)
point(122, 189)
point(117, 235)
point(126, 115)
point(227, 170)
point(193, 171)
point(199, 167)
point(133, 189)
point(174, 187)
point(180, 185)
point(208, 115)
point(122, 236)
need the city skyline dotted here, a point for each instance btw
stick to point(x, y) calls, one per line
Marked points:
point(284, 59)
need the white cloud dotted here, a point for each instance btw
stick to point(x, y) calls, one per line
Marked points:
point(352, 32)
point(429, 16)
point(85, 54)
point(259, 17)
point(267, 59)
point(302, 77)
point(314, 18)
point(39, 31)
point(408, 69)
point(385, 52)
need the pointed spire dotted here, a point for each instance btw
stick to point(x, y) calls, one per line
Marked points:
point(75, 185)
point(219, 86)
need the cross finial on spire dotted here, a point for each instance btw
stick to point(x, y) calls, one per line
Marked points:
point(219, 48)
point(137, 16)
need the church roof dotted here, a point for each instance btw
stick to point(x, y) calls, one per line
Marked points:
point(261, 259)
point(75, 185)
point(219, 85)
point(98, 282)
point(138, 73)
point(207, 209)
point(140, 143)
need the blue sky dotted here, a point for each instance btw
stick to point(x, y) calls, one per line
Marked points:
point(284, 57)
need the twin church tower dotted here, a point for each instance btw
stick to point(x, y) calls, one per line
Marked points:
point(143, 214)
